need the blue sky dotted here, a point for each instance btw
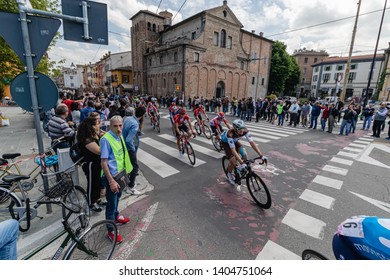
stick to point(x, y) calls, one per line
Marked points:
point(270, 17)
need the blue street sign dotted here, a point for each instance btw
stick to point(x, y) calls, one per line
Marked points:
point(42, 31)
point(47, 92)
point(97, 21)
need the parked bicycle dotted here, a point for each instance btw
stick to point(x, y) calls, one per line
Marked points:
point(16, 203)
point(358, 238)
point(256, 186)
point(185, 147)
point(88, 242)
point(202, 128)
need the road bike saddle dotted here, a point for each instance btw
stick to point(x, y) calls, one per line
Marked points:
point(14, 178)
point(11, 156)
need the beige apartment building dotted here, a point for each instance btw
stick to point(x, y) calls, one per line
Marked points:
point(208, 54)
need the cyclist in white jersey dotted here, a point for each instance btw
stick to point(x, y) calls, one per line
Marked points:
point(234, 149)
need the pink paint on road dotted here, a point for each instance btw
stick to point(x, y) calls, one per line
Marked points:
point(309, 150)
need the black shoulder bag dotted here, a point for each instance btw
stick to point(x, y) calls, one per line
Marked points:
point(121, 178)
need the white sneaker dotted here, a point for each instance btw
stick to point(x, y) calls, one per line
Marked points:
point(134, 191)
point(231, 178)
point(180, 154)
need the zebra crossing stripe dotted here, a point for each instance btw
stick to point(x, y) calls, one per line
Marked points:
point(155, 164)
point(269, 131)
point(344, 154)
point(273, 251)
point(256, 139)
point(353, 149)
point(283, 129)
point(342, 161)
point(169, 151)
point(361, 142)
point(357, 145)
point(165, 117)
point(328, 182)
point(196, 147)
point(366, 139)
point(304, 223)
point(318, 199)
point(335, 169)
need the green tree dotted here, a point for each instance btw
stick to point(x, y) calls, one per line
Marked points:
point(279, 72)
point(10, 64)
point(294, 77)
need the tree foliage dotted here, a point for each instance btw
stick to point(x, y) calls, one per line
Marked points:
point(284, 72)
point(10, 64)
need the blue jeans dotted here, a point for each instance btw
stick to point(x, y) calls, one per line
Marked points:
point(112, 202)
point(281, 119)
point(353, 126)
point(345, 125)
point(313, 121)
point(9, 231)
point(323, 123)
point(367, 121)
point(243, 115)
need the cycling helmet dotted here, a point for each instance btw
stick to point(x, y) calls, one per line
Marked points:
point(150, 103)
point(221, 115)
point(173, 104)
point(182, 111)
point(238, 124)
point(174, 108)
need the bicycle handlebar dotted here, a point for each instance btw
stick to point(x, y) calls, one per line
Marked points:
point(63, 171)
point(264, 160)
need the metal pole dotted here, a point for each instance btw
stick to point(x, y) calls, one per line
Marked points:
point(374, 57)
point(34, 98)
point(346, 75)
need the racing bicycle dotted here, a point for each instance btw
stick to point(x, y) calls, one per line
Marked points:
point(201, 127)
point(217, 143)
point(185, 147)
point(256, 186)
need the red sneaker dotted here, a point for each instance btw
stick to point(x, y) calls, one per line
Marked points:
point(111, 236)
point(122, 220)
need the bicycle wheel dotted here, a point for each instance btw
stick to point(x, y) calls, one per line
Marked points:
point(207, 131)
point(76, 199)
point(197, 128)
point(173, 130)
point(157, 126)
point(216, 143)
point(311, 255)
point(6, 200)
point(258, 191)
point(225, 164)
point(190, 153)
point(94, 244)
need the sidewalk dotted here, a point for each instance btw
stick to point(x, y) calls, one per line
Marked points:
point(20, 137)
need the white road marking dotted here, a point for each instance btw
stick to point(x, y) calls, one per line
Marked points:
point(380, 204)
point(329, 182)
point(365, 157)
point(280, 128)
point(127, 247)
point(273, 130)
point(196, 147)
point(335, 169)
point(304, 223)
point(170, 151)
point(366, 139)
point(342, 161)
point(344, 154)
point(155, 164)
point(362, 142)
point(318, 199)
point(353, 149)
point(357, 145)
point(273, 251)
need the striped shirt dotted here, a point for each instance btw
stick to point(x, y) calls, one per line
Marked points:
point(59, 127)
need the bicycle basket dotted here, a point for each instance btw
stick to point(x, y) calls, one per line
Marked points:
point(59, 185)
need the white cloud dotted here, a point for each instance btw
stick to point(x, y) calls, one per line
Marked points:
point(268, 16)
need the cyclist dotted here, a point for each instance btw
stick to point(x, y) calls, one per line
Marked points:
point(179, 121)
point(173, 111)
point(234, 149)
point(152, 112)
point(198, 114)
point(362, 237)
point(215, 124)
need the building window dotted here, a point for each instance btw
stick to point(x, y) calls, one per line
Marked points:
point(223, 38)
point(254, 57)
point(71, 84)
point(253, 80)
point(354, 66)
point(151, 83)
point(150, 62)
point(304, 71)
point(316, 69)
point(315, 77)
point(71, 77)
point(165, 83)
point(351, 77)
point(149, 26)
point(242, 65)
point(196, 57)
point(224, 14)
point(306, 60)
point(303, 80)
point(328, 68)
point(262, 81)
point(338, 76)
point(161, 59)
point(315, 59)
point(339, 67)
point(125, 79)
point(325, 78)
point(193, 35)
point(175, 57)
point(216, 38)
point(115, 78)
point(154, 27)
point(229, 42)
